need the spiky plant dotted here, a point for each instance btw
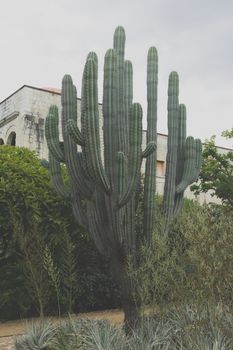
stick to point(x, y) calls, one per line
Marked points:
point(101, 335)
point(104, 185)
point(39, 336)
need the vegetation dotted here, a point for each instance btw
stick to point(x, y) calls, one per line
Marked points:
point(193, 263)
point(45, 258)
point(202, 327)
point(48, 262)
point(105, 196)
point(186, 281)
point(217, 172)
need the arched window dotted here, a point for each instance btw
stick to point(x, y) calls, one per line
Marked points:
point(11, 139)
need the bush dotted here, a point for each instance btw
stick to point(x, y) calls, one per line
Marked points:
point(194, 261)
point(34, 220)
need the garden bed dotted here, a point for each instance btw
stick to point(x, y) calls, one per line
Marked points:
point(10, 329)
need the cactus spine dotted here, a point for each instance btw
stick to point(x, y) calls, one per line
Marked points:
point(103, 187)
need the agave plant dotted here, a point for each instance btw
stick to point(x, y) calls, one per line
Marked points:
point(202, 327)
point(39, 336)
point(69, 335)
point(101, 335)
point(154, 334)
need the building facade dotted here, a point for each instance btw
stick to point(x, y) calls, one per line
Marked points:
point(22, 123)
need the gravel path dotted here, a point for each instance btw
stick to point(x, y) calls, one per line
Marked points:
point(6, 343)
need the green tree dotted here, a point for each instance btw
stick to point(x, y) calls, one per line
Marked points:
point(33, 217)
point(217, 171)
point(30, 218)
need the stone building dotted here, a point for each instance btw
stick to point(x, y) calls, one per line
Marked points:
point(22, 122)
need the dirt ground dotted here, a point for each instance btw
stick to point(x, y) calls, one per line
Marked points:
point(9, 330)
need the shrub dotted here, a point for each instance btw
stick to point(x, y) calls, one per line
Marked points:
point(194, 261)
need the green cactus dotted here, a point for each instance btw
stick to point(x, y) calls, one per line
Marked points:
point(183, 160)
point(104, 185)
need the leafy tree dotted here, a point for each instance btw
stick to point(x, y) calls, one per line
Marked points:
point(217, 171)
point(33, 217)
point(30, 217)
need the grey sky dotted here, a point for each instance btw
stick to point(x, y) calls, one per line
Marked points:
point(44, 39)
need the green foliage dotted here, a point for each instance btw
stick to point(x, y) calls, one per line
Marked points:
point(228, 133)
point(208, 232)
point(217, 172)
point(53, 273)
point(39, 336)
point(185, 327)
point(27, 202)
point(69, 272)
point(192, 262)
point(101, 335)
point(30, 259)
point(33, 217)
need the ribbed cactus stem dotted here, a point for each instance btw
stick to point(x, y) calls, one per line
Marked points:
point(128, 94)
point(151, 139)
point(178, 199)
point(57, 180)
point(110, 116)
point(74, 132)
point(92, 124)
point(70, 148)
point(119, 47)
point(150, 148)
point(52, 134)
point(172, 145)
point(135, 151)
point(190, 163)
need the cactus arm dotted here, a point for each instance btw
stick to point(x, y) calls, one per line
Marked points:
point(121, 176)
point(178, 200)
point(128, 97)
point(77, 207)
point(57, 180)
point(192, 163)
point(181, 143)
point(52, 134)
point(69, 104)
point(92, 122)
point(198, 145)
point(150, 148)
point(110, 115)
point(74, 132)
point(119, 47)
point(189, 165)
point(135, 150)
point(121, 162)
point(97, 229)
point(149, 152)
point(172, 145)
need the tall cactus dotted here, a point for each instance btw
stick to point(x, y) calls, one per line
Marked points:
point(104, 183)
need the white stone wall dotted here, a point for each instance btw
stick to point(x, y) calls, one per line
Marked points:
point(24, 113)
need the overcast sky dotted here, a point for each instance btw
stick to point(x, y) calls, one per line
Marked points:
point(44, 39)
